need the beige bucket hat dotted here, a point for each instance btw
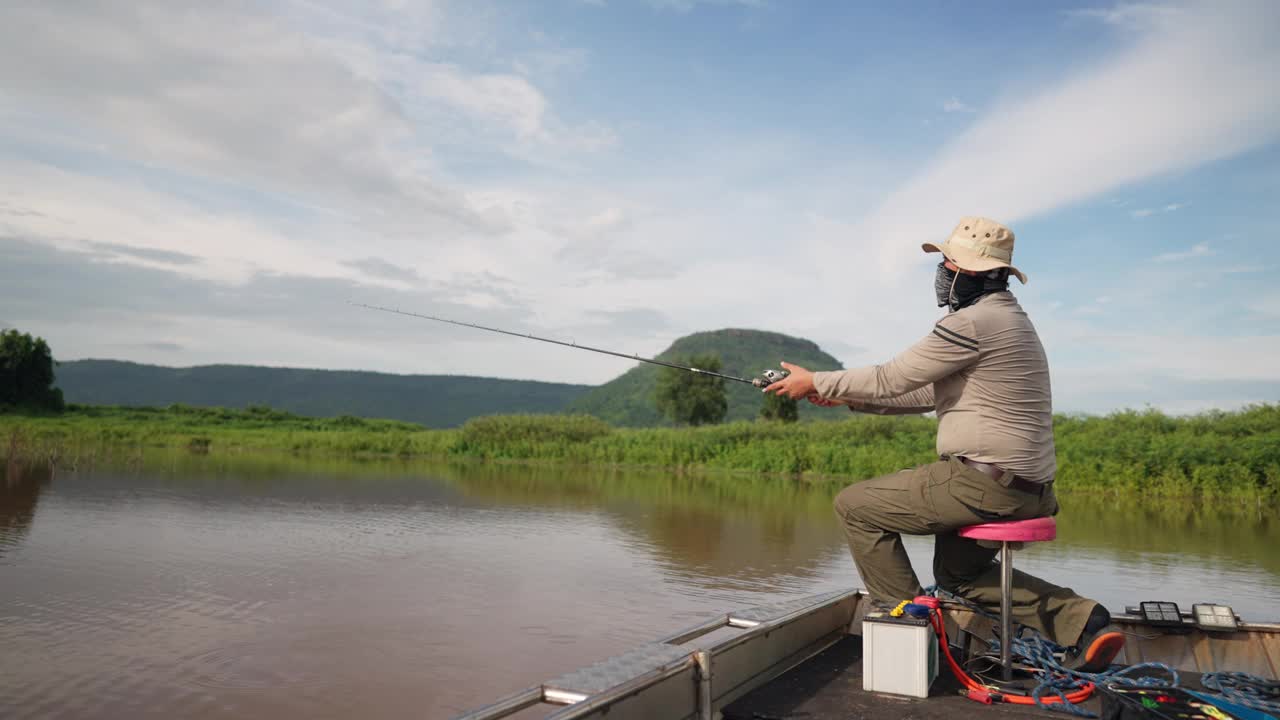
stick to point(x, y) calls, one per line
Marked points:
point(979, 244)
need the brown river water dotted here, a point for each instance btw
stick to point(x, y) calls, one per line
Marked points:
point(224, 587)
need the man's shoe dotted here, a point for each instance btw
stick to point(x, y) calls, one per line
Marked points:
point(1098, 655)
point(1095, 650)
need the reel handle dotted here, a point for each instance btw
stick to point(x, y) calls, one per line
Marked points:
point(769, 377)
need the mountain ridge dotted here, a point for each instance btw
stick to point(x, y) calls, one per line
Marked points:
point(627, 400)
point(436, 401)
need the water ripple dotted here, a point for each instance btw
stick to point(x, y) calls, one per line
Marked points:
point(310, 596)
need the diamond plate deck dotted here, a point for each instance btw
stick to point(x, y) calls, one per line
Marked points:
point(765, 613)
point(617, 670)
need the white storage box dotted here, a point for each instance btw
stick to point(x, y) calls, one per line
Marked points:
point(899, 655)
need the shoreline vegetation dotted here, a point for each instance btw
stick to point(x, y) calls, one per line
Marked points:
point(1222, 456)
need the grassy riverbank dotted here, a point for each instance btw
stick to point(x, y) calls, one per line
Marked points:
point(1215, 455)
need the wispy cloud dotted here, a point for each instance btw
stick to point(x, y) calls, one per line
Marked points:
point(1209, 91)
point(379, 268)
point(161, 256)
point(1268, 305)
point(1127, 14)
point(336, 105)
point(1198, 250)
point(158, 81)
point(551, 60)
point(954, 104)
point(687, 5)
point(1096, 307)
point(1198, 357)
point(1148, 212)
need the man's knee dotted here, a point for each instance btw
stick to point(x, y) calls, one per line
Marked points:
point(849, 501)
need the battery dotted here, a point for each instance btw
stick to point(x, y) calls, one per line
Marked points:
point(899, 655)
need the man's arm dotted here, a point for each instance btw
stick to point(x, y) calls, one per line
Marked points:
point(948, 349)
point(916, 402)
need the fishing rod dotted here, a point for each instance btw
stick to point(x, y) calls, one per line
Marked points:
point(766, 378)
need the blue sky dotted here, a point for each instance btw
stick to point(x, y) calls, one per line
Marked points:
point(185, 183)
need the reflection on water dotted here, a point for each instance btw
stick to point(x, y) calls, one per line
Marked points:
point(215, 587)
point(720, 536)
point(19, 494)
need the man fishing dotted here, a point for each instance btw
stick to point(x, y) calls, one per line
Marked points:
point(983, 370)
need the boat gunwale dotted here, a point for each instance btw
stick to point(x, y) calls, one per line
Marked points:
point(687, 637)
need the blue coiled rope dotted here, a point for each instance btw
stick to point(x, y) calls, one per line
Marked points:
point(1036, 651)
point(1244, 689)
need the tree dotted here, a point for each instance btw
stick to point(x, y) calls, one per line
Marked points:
point(26, 373)
point(688, 398)
point(779, 407)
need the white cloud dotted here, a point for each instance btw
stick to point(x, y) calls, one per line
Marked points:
point(1196, 357)
point(1096, 307)
point(1196, 87)
point(595, 229)
point(507, 99)
point(329, 110)
point(1198, 250)
point(687, 5)
point(955, 105)
point(82, 212)
point(1107, 388)
point(1128, 14)
point(1268, 305)
point(220, 91)
point(1148, 212)
point(551, 61)
point(337, 104)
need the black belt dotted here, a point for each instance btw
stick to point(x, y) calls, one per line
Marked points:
point(997, 473)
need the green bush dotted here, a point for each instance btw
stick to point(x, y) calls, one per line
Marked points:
point(1231, 456)
point(524, 436)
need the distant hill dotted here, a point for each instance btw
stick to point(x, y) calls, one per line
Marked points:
point(628, 399)
point(435, 401)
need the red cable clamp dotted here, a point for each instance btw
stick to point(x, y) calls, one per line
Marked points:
point(928, 601)
point(977, 695)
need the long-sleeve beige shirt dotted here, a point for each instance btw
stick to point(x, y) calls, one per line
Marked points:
point(984, 371)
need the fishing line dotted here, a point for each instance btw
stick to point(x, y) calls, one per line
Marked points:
point(768, 377)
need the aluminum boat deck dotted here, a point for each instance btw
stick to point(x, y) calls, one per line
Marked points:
point(801, 659)
point(830, 686)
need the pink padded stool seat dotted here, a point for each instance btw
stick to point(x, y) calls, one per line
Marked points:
point(1010, 534)
point(1033, 530)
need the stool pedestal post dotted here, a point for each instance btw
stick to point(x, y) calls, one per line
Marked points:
point(1006, 609)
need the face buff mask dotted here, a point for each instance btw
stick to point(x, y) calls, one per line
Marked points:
point(958, 290)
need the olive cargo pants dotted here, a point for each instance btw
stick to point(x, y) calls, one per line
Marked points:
point(937, 499)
